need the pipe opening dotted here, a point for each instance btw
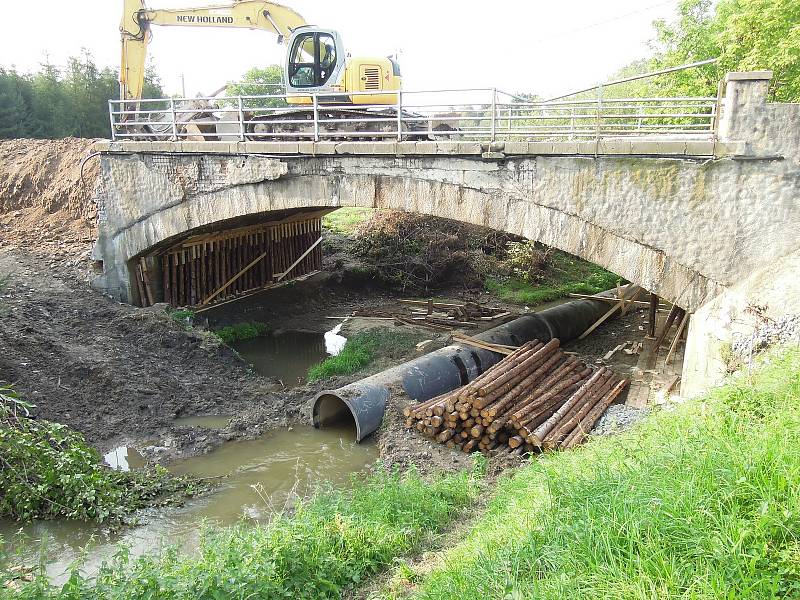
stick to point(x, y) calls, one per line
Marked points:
point(331, 411)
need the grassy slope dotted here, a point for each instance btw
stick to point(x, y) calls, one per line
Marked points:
point(329, 544)
point(564, 275)
point(345, 220)
point(364, 347)
point(699, 502)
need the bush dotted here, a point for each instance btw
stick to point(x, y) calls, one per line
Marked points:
point(527, 260)
point(48, 470)
point(418, 253)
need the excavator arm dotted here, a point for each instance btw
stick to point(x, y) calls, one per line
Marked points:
point(137, 19)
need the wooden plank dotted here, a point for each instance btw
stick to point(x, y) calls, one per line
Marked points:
point(146, 280)
point(233, 279)
point(289, 270)
point(227, 234)
point(677, 339)
point(629, 293)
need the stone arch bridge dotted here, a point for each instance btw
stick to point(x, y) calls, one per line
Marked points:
point(707, 224)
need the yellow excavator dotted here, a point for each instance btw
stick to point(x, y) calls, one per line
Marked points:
point(316, 61)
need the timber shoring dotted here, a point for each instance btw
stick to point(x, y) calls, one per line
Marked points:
point(224, 264)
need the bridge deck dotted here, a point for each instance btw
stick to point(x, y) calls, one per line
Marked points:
point(604, 147)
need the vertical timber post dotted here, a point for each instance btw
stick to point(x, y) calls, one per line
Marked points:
point(651, 326)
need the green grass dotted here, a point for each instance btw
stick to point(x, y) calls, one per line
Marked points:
point(329, 544)
point(362, 348)
point(702, 501)
point(564, 275)
point(241, 331)
point(346, 220)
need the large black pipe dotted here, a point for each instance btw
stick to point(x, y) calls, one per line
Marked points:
point(446, 369)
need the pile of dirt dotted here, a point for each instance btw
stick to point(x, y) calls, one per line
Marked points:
point(419, 254)
point(117, 373)
point(45, 201)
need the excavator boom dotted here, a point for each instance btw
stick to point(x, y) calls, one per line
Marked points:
point(137, 18)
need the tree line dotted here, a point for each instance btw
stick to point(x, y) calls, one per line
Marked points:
point(57, 103)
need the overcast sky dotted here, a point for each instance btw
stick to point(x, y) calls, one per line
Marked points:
point(542, 47)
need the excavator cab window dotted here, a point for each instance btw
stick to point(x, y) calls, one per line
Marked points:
point(312, 60)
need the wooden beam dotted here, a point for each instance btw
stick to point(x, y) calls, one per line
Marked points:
point(653, 315)
point(613, 300)
point(280, 276)
point(677, 339)
point(629, 293)
point(233, 279)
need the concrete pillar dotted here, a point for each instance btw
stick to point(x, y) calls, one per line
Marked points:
point(743, 106)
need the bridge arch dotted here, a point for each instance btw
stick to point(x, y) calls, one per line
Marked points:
point(592, 213)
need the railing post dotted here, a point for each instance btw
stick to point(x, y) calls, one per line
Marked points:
point(315, 100)
point(598, 125)
point(399, 115)
point(494, 114)
point(111, 118)
point(572, 123)
point(241, 117)
point(174, 119)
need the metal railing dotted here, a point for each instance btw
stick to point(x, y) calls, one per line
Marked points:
point(474, 114)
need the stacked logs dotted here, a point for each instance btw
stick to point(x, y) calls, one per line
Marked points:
point(537, 397)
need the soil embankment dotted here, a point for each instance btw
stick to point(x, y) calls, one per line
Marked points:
point(46, 205)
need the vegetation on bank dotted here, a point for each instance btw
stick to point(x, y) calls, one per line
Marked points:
point(330, 543)
point(241, 331)
point(557, 275)
point(47, 470)
point(346, 220)
point(701, 501)
point(364, 347)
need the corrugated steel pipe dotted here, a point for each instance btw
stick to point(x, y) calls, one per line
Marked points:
point(448, 368)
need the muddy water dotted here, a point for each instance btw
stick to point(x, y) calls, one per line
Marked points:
point(258, 478)
point(287, 355)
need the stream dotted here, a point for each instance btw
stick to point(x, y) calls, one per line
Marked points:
point(258, 478)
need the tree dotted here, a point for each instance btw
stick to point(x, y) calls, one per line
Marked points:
point(745, 34)
point(13, 112)
point(260, 81)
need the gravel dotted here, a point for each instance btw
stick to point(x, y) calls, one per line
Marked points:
point(618, 418)
point(785, 330)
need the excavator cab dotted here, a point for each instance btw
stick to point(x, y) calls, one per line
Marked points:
point(316, 62)
point(315, 59)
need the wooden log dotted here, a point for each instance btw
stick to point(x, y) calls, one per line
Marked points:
point(673, 314)
point(523, 379)
point(585, 426)
point(515, 441)
point(543, 429)
point(652, 315)
point(573, 378)
point(445, 435)
point(562, 430)
point(546, 350)
point(533, 398)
